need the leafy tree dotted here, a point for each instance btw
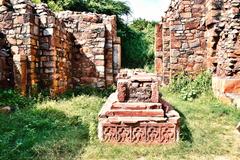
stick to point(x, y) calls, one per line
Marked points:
point(138, 44)
point(109, 7)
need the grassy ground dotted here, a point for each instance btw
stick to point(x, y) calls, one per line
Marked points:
point(66, 129)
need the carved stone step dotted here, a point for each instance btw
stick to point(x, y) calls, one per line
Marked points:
point(136, 106)
point(136, 113)
point(133, 120)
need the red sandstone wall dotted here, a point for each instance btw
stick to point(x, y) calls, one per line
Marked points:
point(180, 43)
point(96, 39)
point(17, 23)
point(196, 35)
point(223, 28)
point(57, 54)
point(226, 25)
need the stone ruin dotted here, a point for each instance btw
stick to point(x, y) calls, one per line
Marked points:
point(135, 113)
point(56, 51)
point(196, 35)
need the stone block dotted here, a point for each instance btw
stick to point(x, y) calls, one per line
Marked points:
point(100, 68)
point(122, 91)
point(155, 93)
point(48, 32)
point(231, 86)
point(194, 43)
point(192, 25)
point(99, 57)
point(152, 133)
point(186, 15)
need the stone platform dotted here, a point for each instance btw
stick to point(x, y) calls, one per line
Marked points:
point(135, 113)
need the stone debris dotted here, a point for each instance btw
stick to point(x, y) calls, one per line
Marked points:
point(5, 110)
point(56, 51)
point(135, 113)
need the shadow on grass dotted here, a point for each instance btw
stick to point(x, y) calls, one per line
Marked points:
point(88, 90)
point(13, 98)
point(41, 134)
point(185, 133)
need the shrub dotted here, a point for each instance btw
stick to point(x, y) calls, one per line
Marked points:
point(189, 87)
point(15, 99)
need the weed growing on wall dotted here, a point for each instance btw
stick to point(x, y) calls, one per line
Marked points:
point(189, 87)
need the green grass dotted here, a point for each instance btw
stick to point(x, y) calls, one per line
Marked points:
point(66, 128)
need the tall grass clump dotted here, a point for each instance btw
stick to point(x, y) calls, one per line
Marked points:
point(14, 99)
point(190, 87)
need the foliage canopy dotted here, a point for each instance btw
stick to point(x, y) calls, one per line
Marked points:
point(138, 44)
point(109, 7)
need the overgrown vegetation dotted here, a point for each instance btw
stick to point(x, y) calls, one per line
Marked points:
point(50, 127)
point(14, 99)
point(191, 87)
point(138, 44)
point(110, 7)
point(66, 128)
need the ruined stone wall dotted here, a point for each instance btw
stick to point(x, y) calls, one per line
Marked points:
point(196, 35)
point(96, 39)
point(223, 28)
point(54, 53)
point(17, 23)
point(180, 43)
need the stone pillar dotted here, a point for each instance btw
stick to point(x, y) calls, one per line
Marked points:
point(22, 43)
point(166, 53)
point(117, 54)
point(158, 49)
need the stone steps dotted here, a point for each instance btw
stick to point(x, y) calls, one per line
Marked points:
point(133, 120)
point(136, 113)
point(136, 106)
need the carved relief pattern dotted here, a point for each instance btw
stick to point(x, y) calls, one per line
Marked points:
point(167, 134)
point(123, 134)
point(153, 134)
point(143, 133)
point(138, 134)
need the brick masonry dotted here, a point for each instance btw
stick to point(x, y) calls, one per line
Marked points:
point(196, 35)
point(56, 51)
